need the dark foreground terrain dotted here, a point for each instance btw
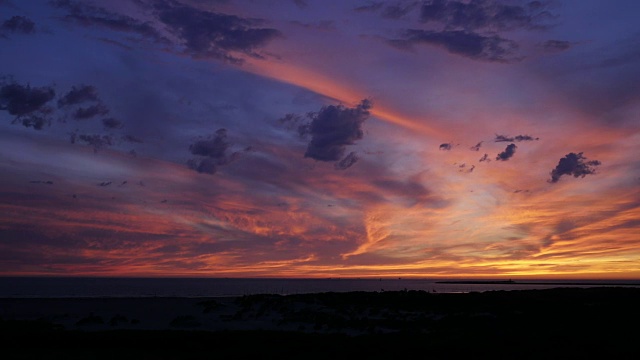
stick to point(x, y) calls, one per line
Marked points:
point(562, 323)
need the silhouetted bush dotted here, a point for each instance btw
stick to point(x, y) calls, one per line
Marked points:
point(90, 320)
point(185, 321)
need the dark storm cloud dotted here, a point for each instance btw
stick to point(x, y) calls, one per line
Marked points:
point(477, 146)
point(335, 127)
point(556, 45)
point(87, 15)
point(574, 164)
point(446, 146)
point(79, 95)
point(484, 15)
point(111, 123)
point(507, 153)
point(207, 34)
point(505, 138)
point(472, 45)
point(19, 24)
point(347, 161)
point(28, 104)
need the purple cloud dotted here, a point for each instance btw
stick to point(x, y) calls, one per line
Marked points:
point(335, 127)
point(574, 164)
point(507, 153)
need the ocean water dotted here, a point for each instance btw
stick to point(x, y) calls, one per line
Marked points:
point(62, 287)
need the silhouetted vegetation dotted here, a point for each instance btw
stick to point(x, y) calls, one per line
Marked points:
point(558, 323)
point(90, 320)
point(185, 321)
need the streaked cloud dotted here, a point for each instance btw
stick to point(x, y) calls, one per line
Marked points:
point(332, 153)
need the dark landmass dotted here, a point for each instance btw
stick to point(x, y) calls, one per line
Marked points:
point(559, 283)
point(560, 323)
point(478, 282)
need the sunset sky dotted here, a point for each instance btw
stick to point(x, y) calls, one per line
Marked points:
point(320, 138)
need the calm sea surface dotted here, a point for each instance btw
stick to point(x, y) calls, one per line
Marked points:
point(51, 287)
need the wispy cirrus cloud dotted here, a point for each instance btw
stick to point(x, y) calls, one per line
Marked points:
point(397, 189)
point(556, 45)
point(88, 15)
point(474, 46)
point(485, 15)
point(518, 138)
point(474, 29)
point(347, 161)
point(477, 146)
point(187, 29)
point(206, 34)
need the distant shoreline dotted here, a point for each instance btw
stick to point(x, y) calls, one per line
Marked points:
point(511, 282)
point(215, 287)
